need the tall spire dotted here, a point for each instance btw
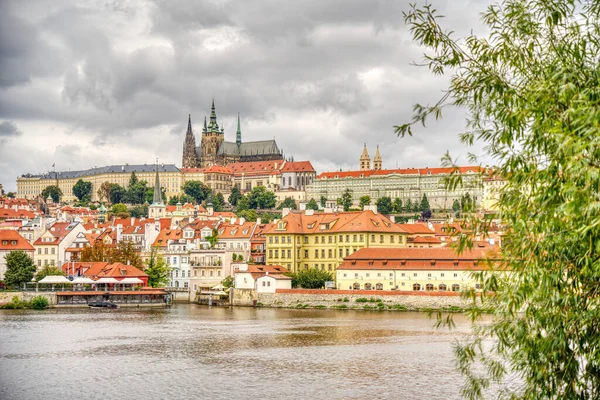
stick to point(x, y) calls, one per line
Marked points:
point(157, 194)
point(189, 129)
point(205, 128)
point(238, 134)
point(213, 126)
point(377, 160)
point(365, 160)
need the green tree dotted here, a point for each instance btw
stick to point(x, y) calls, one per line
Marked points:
point(364, 201)
point(53, 191)
point(424, 206)
point(323, 201)
point(456, 206)
point(157, 269)
point(183, 199)
point(261, 198)
point(119, 208)
point(530, 91)
point(139, 211)
point(47, 270)
point(287, 203)
point(312, 205)
point(243, 203)
point(149, 194)
point(228, 282)
point(346, 200)
point(397, 205)
point(19, 269)
point(384, 205)
point(218, 202)
point(213, 239)
point(249, 215)
point(116, 194)
point(235, 195)
point(312, 278)
point(408, 206)
point(126, 253)
point(197, 190)
point(83, 190)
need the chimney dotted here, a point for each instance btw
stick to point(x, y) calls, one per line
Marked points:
point(233, 221)
point(285, 211)
point(393, 219)
point(258, 221)
point(309, 212)
point(492, 242)
point(132, 220)
point(242, 220)
point(119, 233)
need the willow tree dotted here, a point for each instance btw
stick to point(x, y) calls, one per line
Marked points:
point(531, 89)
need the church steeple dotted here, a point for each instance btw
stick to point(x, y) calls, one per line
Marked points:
point(238, 133)
point(205, 128)
point(189, 147)
point(213, 126)
point(365, 160)
point(377, 160)
point(157, 199)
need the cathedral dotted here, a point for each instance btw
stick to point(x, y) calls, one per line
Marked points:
point(214, 149)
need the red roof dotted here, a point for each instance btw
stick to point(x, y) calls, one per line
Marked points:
point(11, 240)
point(212, 169)
point(416, 229)
point(298, 166)
point(9, 213)
point(257, 168)
point(97, 270)
point(403, 171)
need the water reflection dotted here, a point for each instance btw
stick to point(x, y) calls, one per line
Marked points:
point(189, 351)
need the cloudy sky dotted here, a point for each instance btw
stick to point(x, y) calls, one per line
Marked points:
point(92, 83)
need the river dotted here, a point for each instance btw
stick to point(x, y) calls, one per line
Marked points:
point(195, 352)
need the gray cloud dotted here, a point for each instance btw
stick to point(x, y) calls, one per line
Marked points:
point(99, 82)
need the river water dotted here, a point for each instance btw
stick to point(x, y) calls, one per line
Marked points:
point(195, 352)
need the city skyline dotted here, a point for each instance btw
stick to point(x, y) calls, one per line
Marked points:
point(117, 83)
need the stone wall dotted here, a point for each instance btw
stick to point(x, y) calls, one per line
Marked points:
point(344, 299)
point(6, 297)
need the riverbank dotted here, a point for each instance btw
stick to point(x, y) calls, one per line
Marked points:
point(354, 300)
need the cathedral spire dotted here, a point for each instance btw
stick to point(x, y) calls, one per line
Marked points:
point(365, 160)
point(157, 194)
point(377, 160)
point(213, 126)
point(205, 128)
point(189, 129)
point(189, 147)
point(238, 133)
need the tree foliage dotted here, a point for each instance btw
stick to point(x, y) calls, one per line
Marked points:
point(397, 205)
point(47, 270)
point(83, 190)
point(119, 208)
point(531, 89)
point(228, 282)
point(103, 192)
point(116, 193)
point(323, 201)
point(124, 252)
point(288, 202)
point(243, 203)
point(19, 269)
point(157, 269)
point(384, 205)
point(312, 205)
point(197, 190)
point(261, 198)
point(364, 201)
point(235, 195)
point(346, 200)
point(54, 192)
point(312, 278)
point(424, 206)
point(183, 199)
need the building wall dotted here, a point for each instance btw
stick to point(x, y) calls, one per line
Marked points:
point(394, 185)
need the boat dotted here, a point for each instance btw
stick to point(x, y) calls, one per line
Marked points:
point(103, 304)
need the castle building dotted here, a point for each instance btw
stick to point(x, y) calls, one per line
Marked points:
point(214, 149)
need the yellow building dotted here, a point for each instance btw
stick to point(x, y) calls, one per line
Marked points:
point(303, 240)
point(30, 186)
point(218, 178)
point(492, 186)
point(413, 269)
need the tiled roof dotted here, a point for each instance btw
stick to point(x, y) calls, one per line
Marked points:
point(11, 240)
point(9, 213)
point(416, 229)
point(298, 166)
point(59, 230)
point(403, 171)
point(165, 235)
point(361, 221)
point(426, 240)
point(437, 258)
point(212, 169)
point(256, 168)
point(236, 231)
point(97, 270)
point(126, 169)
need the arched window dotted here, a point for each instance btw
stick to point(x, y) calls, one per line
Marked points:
point(176, 283)
point(356, 286)
point(455, 287)
point(368, 286)
point(416, 287)
point(379, 286)
point(429, 287)
point(442, 287)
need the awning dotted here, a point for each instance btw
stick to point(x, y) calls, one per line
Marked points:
point(106, 280)
point(130, 281)
point(219, 287)
point(83, 280)
point(54, 279)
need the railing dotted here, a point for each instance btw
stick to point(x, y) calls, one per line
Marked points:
point(69, 288)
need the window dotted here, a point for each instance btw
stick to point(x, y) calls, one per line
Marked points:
point(372, 238)
point(211, 272)
point(316, 253)
point(45, 250)
point(347, 238)
point(276, 253)
point(416, 287)
point(276, 239)
point(340, 253)
point(414, 274)
point(341, 238)
point(442, 287)
point(289, 239)
point(39, 251)
point(354, 238)
point(289, 253)
point(202, 273)
point(330, 239)
point(380, 238)
point(330, 253)
point(456, 287)
point(322, 253)
point(270, 253)
point(361, 238)
point(305, 253)
point(176, 273)
point(316, 239)
point(305, 239)
point(392, 239)
point(429, 287)
point(39, 263)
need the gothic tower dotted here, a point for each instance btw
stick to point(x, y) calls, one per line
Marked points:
point(212, 138)
point(377, 160)
point(238, 133)
point(189, 148)
point(365, 160)
point(157, 209)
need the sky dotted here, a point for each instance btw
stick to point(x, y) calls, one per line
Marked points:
point(92, 83)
